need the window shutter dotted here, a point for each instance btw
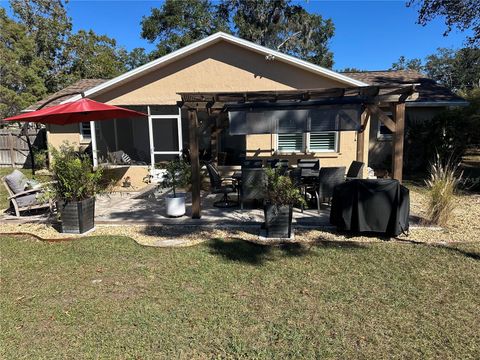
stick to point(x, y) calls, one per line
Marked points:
point(324, 141)
point(290, 142)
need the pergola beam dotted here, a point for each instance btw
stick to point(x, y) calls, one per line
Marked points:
point(377, 112)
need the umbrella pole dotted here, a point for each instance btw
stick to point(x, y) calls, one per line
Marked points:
point(30, 147)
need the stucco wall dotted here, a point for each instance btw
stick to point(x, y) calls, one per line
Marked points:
point(135, 174)
point(220, 67)
point(57, 134)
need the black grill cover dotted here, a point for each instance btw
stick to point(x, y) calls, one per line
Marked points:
point(376, 206)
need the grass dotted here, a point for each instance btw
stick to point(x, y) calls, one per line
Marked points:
point(107, 297)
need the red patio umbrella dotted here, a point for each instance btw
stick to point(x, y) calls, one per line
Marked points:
point(82, 110)
point(76, 112)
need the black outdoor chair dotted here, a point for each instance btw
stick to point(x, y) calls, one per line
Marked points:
point(328, 178)
point(280, 164)
point(313, 164)
point(221, 185)
point(253, 185)
point(252, 164)
point(355, 170)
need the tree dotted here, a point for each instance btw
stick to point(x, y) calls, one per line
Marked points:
point(47, 23)
point(462, 14)
point(21, 71)
point(181, 22)
point(135, 58)
point(350, 69)
point(456, 69)
point(93, 56)
point(405, 64)
point(277, 24)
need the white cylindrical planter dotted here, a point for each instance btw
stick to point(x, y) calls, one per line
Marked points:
point(175, 205)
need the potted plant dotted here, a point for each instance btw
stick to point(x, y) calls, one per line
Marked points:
point(177, 175)
point(281, 195)
point(74, 187)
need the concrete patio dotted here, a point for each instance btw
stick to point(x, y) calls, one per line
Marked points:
point(149, 207)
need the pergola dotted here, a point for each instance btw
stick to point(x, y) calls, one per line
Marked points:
point(369, 99)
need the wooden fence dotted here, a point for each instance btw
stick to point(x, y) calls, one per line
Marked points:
point(14, 148)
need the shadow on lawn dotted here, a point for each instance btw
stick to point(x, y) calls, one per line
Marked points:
point(240, 250)
point(470, 254)
point(255, 254)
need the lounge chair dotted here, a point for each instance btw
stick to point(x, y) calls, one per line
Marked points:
point(22, 198)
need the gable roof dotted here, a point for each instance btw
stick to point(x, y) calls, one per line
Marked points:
point(79, 86)
point(208, 41)
point(429, 91)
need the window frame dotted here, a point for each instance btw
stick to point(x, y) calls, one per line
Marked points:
point(335, 142)
point(83, 137)
point(380, 136)
point(306, 144)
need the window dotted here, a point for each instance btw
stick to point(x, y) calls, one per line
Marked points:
point(383, 133)
point(323, 141)
point(290, 142)
point(312, 142)
point(85, 131)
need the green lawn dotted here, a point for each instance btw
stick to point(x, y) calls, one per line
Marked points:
point(106, 297)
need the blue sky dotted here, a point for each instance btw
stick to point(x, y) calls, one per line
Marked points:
point(369, 35)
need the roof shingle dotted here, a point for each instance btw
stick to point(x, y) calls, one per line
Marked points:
point(79, 86)
point(428, 89)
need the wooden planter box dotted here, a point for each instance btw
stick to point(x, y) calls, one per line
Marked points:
point(278, 221)
point(77, 217)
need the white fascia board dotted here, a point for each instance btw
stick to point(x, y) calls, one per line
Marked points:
point(211, 40)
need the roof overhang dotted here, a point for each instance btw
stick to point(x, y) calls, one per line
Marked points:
point(208, 41)
point(437, 103)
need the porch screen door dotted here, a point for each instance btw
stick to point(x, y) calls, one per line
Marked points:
point(165, 139)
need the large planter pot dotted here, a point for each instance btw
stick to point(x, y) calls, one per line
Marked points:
point(175, 205)
point(278, 220)
point(77, 216)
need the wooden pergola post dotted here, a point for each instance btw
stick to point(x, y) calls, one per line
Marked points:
point(361, 136)
point(398, 112)
point(195, 163)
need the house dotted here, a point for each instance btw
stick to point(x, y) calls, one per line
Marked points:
point(224, 63)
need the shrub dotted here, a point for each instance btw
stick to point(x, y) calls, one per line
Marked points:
point(73, 176)
point(40, 157)
point(442, 183)
point(178, 174)
point(280, 189)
